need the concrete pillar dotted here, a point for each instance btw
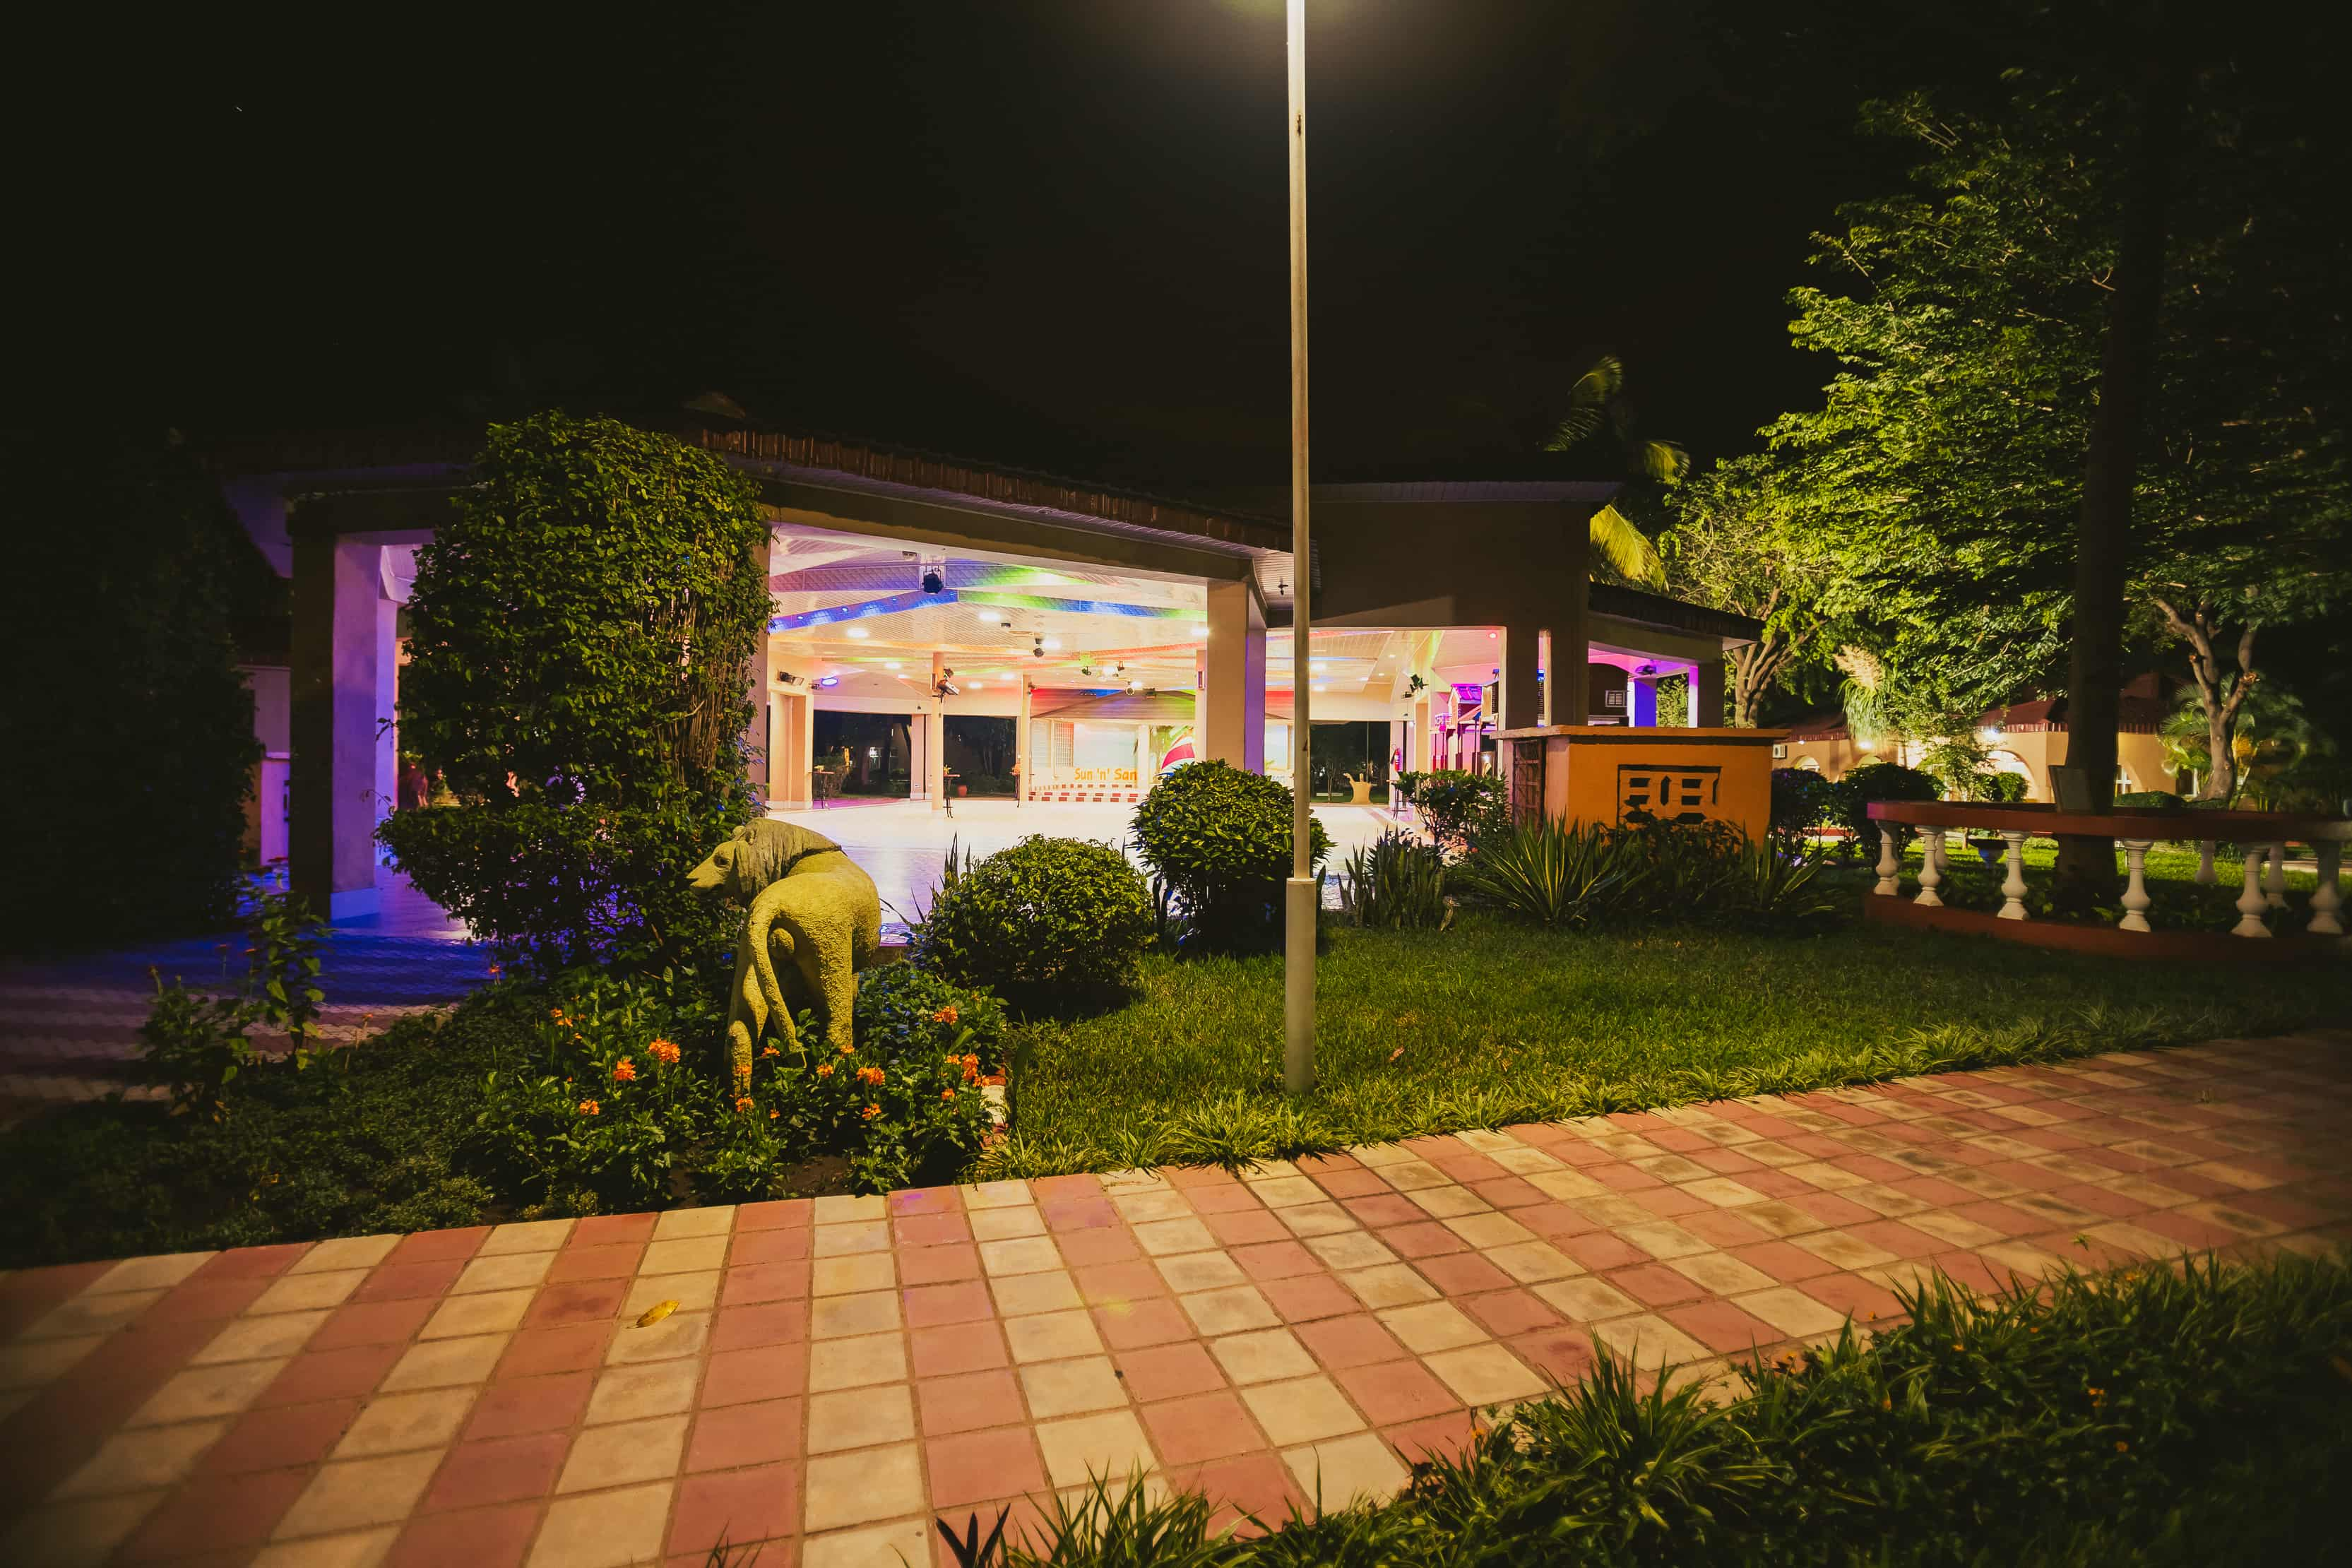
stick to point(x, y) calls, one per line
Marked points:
point(1707, 694)
point(1641, 708)
point(341, 622)
point(1025, 762)
point(1519, 658)
point(935, 742)
point(1234, 689)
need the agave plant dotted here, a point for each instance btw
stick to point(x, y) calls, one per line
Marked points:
point(1552, 874)
point(1396, 883)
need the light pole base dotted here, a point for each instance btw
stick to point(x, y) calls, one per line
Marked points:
point(1298, 894)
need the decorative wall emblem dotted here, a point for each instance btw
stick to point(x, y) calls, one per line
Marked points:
point(1676, 793)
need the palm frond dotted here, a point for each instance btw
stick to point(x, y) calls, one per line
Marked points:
point(1589, 402)
point(1627, 547)
point(1661, 460)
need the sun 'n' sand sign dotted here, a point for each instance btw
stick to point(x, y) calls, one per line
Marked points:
point(815, 921)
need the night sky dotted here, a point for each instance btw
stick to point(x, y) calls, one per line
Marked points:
point(1040, 233)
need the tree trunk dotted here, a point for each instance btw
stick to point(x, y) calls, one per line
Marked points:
point(2220, 709)
point(2086, 866)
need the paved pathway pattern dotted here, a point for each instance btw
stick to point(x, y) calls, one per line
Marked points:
point(835, 1373)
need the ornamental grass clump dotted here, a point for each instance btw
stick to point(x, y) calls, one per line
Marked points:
point(1397, 882)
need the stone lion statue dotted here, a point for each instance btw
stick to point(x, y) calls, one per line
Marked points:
point(815, 921)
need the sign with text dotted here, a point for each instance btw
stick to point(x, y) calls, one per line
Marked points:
point(1678, 792)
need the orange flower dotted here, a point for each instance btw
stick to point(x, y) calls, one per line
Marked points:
point(946, 1094)
point(824, 1069)
point(742, 1069)
point(771, 1051)
point(773, 1114)
point(589, 1108)
point(870, 1075)
point(872, 1111)
point(944, 1016)
point(495, 969)
point(664, 1052)
point(743, 1103)
point(625, 1071)
point(846, 1051)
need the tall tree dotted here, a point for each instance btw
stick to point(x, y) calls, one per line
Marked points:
point(1598, 409)
point(1728, 549)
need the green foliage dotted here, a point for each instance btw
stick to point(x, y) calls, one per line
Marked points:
point(1220, 838)
point(2162, 799)
point(1397, 882)
point(2131, 1419)
point(1802, 801)
point(904, 1011)
point(579, 634)
point(2005, 788)
point(1463, 810)
point(131, 726)
point(1048, 922)
point(1731, 548)
point(1862, 786)
point(195, 1047)
point(1598, 409)
point(1549, 873)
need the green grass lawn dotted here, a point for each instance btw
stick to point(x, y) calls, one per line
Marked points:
point(1491, 1023)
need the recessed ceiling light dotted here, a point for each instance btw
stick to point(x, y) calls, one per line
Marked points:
point(973, 685)
point(1317, 667)
point(1053, 642)
point(859, 632)
point(1200, 628)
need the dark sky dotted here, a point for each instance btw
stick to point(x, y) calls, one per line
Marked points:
point(1043, 233)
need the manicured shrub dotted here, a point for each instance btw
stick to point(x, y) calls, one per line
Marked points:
point(1049, 923)
point(1397, 882)
point(1856, 792)
point(1802, 801)
point(1463, 810)
point(128, 726)
point(904, 1010)
point(2002, 789)
point(2163, 799)
point(1219, 838)
point(579, 634)
point(1702, 874)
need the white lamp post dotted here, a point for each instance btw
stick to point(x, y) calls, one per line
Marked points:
point(1299, 892)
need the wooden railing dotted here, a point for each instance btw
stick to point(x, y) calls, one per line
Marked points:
point(2138, 829)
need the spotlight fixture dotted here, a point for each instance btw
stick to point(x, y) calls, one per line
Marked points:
point(892, 664)
point(933, 582)
point(1038, 647)
point(1052, 644)
point(859, 632)
point(945, 688)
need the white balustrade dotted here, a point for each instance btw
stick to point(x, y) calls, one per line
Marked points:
point(2327, 902)
point(2135, 899)
point(2274, 879)
point(2205, 877)
point(1890, 866)
point(1931, 870)
point(2012, 889)
point(2250, 902)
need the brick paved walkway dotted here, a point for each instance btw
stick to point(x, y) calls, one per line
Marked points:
point(835, 1373)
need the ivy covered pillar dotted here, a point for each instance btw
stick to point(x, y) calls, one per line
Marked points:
point(343, 624)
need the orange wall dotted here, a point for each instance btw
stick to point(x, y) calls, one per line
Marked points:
point(1597, 773)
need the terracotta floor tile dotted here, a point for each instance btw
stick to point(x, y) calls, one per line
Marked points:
point(755, 1247)
point(1725, 1228)
point(764, 1282)
point(479, 1538)
point(981, 1466)
point(372, 1324)
point(1105, 1284)
point(1150, 1321)
point(1353, 1181)
point(280, 1437)
point(1599, 1250)
point(331, 1374)
point(740, 1377)
point(1256, 1486)
point(1507, 1312)
point(923, 1230)
point(574, 1264)
point(1065, 1216)
point(1242, 1228)
point(1097, 1245)
point(930, 1306)
point(398, 1282)
point(1782, 1261)
point(219, 1512)
point(968, 1402)
point(1276, 1258)
point(1309, 1297)
point(1508, 1192)
point(1355, 1339)
point(1896, 1237)
point(1655, 1285)
point(1849, 1294)
point(1397, 1391)
point(439, 1246)
point(1462, 1274)
point(769, 1323)
point(534, 1352)
point(938, 1264)
point(1449, 1435)
point(1722, 1327)
point(1231, 1197)
point(610, 1230)
point(496, 1470)
point(1562, 1357)
point(1169, 1372)
point(1425, 1239)
point(1383, 1209)
point(944, 1352)
point(1200, 1428)
point(757, 1433)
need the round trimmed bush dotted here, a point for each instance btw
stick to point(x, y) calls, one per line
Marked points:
point(1220, 838)
point(1048, 922)
point(1801, 800)
point(1862, 786)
